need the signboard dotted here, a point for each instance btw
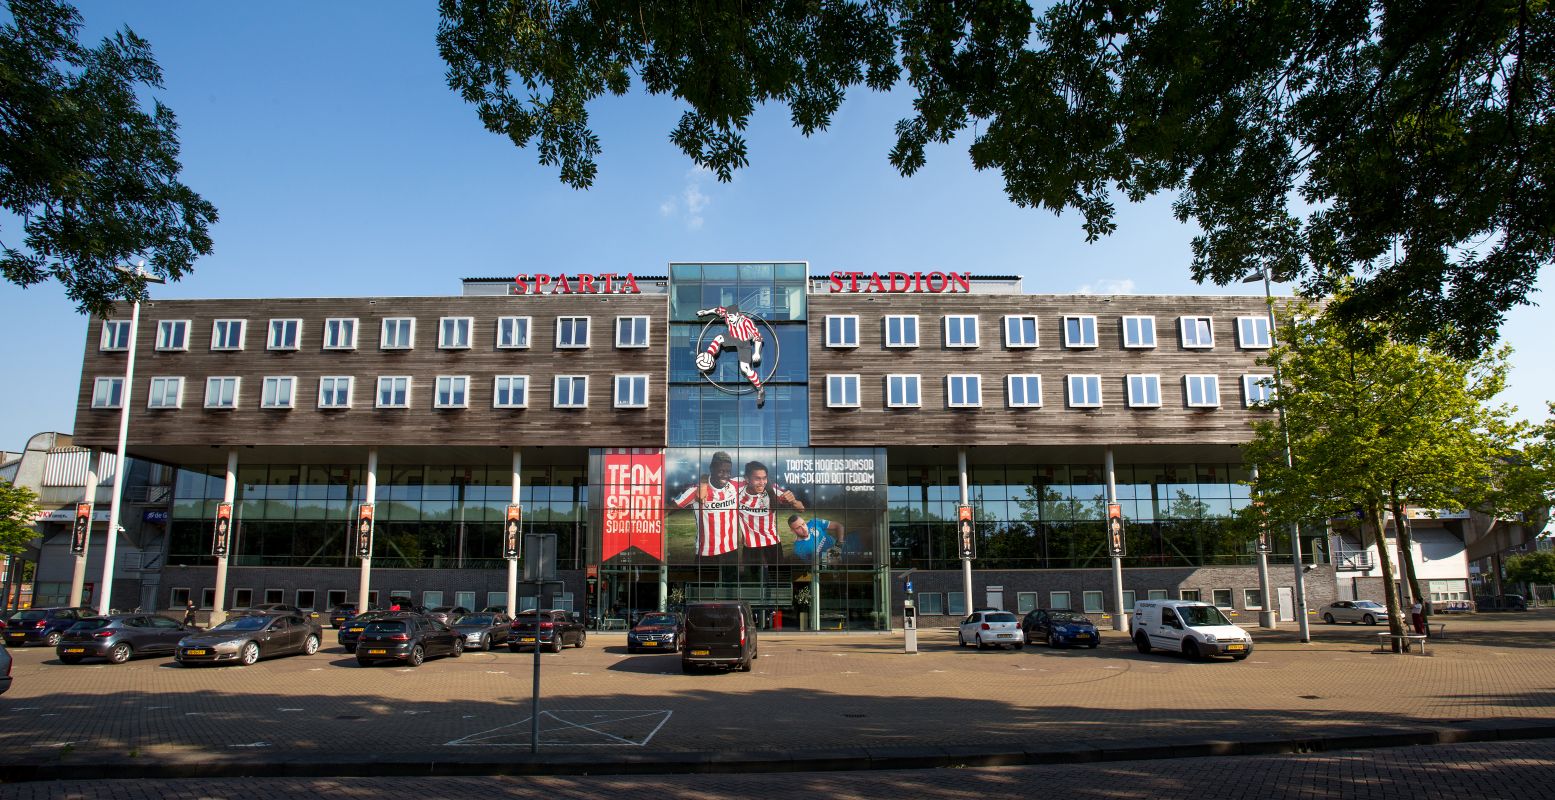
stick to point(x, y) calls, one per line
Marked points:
point(581, 283)
point(67, 515)
point(1263, 544)
point(82, 529)
point(364, 530)
point(1115, 539)
point(221, 542)
point(633, 504)
point(512, 544)
point(901, 282)
point(968, 536)
point(154, 515)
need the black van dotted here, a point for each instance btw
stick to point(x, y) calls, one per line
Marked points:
point(719, 633)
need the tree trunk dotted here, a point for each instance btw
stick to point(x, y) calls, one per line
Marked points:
point(1406, 555)
point(1389, 587)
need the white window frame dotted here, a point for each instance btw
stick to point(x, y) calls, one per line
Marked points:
point(336, 324)
point(274, 380)
point(905, 380)
point(1087, 378)
point(1183, 594)
point(410, 333)
point(273, 342)
point(237, 386)
point(1099, 596)
point(462, 382)
point(951, 319)
point(837, 387)
point(378, 391)
point(1192, 342)
point(561, 323)
point(335, 380)
point(902, 320)
point(1145, 379)
point(1247, 604)
point(1248, 330)
point(164, 334)
point(512, 323)
point(625, 324)
point(556, 389)
point(216, 328)
point(445, 342)
point(1141, 321)
point(1080, 341)
point(838, 330)
point(101, 392)
point(156, 396)
point(1156, 594)
point(1024, 378)
point(1130, 597)
point(1230, 598)
point(1052, 600)
point(976, 383)
point(1207, 383)
point(1014, 337)
point(630, 377)
point(1250, 388)
point(105, 341)
point(496, 391)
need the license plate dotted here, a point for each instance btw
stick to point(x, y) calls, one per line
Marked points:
point(474, 637)
point(699, 652)
point(650, 644)
point(75, 650)
point(1230, 647)
point(194, 652)
point(526, 638)
point(354, 630)
point(377, 652)
point(1082, 636)
point(1006, 636)
point(17, 635)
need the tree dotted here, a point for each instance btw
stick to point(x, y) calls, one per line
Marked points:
point(1404, 142)
point(92, 178)
point(1532, 569)
point(18, 511)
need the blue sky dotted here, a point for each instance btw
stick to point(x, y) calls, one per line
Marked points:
point(342, 165)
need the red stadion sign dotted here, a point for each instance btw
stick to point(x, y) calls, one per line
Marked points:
point(634, 506)
point(582, 283)
point(901, 282)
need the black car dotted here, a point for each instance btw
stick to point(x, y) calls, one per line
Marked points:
point(350, 633)
point(276, 608)
point(1504, 602)
point(657, 632)
point(447, 614)
point(1059, 627)
point(43, 625)
point(410, 638)
point(249, 638)
point(120, 637)
point(556, 628)
point(341, 614)
point(719, 633)
point(483, 631)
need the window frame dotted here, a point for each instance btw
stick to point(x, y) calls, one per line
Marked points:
point(556, 383)
point(631, 319)
point(969, 403)
point(843, 380)
point(885, 331)
point(1242, 329)
point(216, 326)
point(1010, 341)
point(1198, 595)
point(1249, 381)
point(846, 322)
point(588, 333)
point(496, 391)
point(183, 325)
point(1214, 598)
point(237, 387)
point(615, 390)
point(350, 391)
point(443, 342)
point(1052, 600)
point(906, 378)
point(1009, 390)
point(924, 605)
point(270, 334)
point(976, 331)
point(291, 396)
point(1247, 604)
point(529, 329)
point(1149, 378)
point(1207, 381)
point(463, 381)
point(410, 383)
point(1140, 319)
point(1069, 384)
point(356, 326)
point(103, 345)
point(1182, 331)
point(1083, 343)
point(152, 395)
point(1087, 595)
point(97, 383)
point(410, 333)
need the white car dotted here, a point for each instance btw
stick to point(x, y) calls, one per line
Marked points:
point(991, 629)
point(1194, 629)
point(1363, 611)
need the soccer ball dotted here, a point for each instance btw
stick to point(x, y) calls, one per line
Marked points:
point(704, 361)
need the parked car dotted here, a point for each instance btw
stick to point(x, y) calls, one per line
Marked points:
point(350, 633)
point(657, 632)
point(120, 637)
point(277, 608)
point(1059, 627)
point(719, 633)
point(1194, 629)
point(1365, 612)
point(556, 628)
point(483, 631)
point(991, 629)
point(405, 604)
point(341, 614)
point(43, 625)
point(5, 669)
point(249, 638)
point(1504, 602)
point(447, 614)
point(410, 638)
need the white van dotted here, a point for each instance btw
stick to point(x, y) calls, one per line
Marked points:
point(1194, 629)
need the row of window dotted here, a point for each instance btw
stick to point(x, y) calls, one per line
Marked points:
point(394, 391)
point(1092, 602)
point(1020, 331)
point(395, 333)
point(1025, 391)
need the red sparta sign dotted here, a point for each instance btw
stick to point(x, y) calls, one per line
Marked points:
point(582, 283)
point(901, 282)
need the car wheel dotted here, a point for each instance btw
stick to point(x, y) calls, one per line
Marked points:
point(1190, 650)
point(1020, 645)
point(70, 659)
point(310, 645)
point(458, 649)
point(744, 666)
point(52, 640)
point(485, 644)
point(1242, 657)
point(120, 653)
point(1369, 619)
point(981, 645)
point(1142, 643)
point(960, 640)
point(350, 649)
point(556, 643)
point(249, 655)
point(582, 637)
point(417, 655)
point(687, 667)
point(1052, 639)
point(1328, 618)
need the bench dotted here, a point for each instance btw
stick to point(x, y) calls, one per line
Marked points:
point(1436, 630)
point(1406, 641)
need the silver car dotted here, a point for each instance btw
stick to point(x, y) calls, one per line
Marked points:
point(1365, 612)
point(991, 629)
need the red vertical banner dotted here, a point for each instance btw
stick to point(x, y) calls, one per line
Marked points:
point(364, 530)
point(512, 543)
point(82, 529)
point(1115, 542)
point(633, 501)
point(221, 541)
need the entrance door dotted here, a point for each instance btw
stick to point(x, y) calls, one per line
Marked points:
point(1287, 604)
point(996, 597)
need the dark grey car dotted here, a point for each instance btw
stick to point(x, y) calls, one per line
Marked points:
point(250, 638)
point(120, 637)
point(483, 631)
point(5, 668)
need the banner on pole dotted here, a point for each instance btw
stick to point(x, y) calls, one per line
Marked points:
point(364, 530)
point(221, 542)
point(1115, 539)
point(82, 529)
point(512, 543)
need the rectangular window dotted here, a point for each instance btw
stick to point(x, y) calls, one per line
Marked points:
point(931, 604)
point(1020, 331)
point(1252, 599)
point(512, 333)
point(284, 334)
point(1257, 390)
point(179, 597)
point(116, 335)
point(166, 393)
point(901, 331)
point(1093, 602)
point(1129, 598)
point(1198, 332)
point(336, 597)
point(631, 391)
point(453, 333)
point(453, 391)
point(1188, 594)
point(305, 599)
point(340, 334)
point(511, 391)
point(1203, 391)
point(1144, 391)
point(207, 599)
point(964, 391)
point(1155, 594)
point(278, 392)
point(1252, 333)
point(1024, 391)
point(955, 604)
point(1085, 391)
point(1025, 602)
point(399, 333)
point(1058, 600)
point(173, 334)
point(275, 595)
point(571, 391)
point(107, 392)
point(335, 391)
point(960, 331)
point(1139, 331)
point(841, 331)
point(631, 332)
point(242, 598)
point(842, 391)
point(221, 392)
point(901, 391)
point(497, 599)
point(394, 391)
point(572, 333)
point(1080, 331)
point(227, 334)
point(1220, 597)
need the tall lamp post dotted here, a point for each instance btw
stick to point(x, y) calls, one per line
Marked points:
point(138, 274)
point(1290, 463)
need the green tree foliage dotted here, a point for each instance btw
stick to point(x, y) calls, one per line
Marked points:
point(1408, 143)
point(1536, 568)
point(91, 176)
point(18, 511)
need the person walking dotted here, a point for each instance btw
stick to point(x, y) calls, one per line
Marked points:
point(189, 610)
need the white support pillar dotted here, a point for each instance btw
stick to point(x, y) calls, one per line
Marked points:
point(518, 481)
point(370, 495)
point(78, 568)
point(1120, 616)
point(1269, 617)
point(229, 494)
point(121, 466)
point(966, 500)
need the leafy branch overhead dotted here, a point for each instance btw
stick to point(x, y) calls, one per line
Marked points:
point(1404, 144)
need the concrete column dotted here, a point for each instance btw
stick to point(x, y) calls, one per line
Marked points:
point(1269, 617)
point(518, 480)
point(1120, 615)
point(966, 499)
point(370, 488)
point(78, 569)
point(229, 494)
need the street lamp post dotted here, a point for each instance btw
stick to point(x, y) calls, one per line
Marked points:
point(138, 274)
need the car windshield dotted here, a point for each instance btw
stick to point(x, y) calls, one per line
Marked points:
point(475, 619)
point(1069, 616)
point(657, 619)
point(1202, 615)
point(90, 624)
point(1002, 616)
point(1367, 604)
point(242, 624)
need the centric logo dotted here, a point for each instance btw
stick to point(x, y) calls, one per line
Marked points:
point(753, 342)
